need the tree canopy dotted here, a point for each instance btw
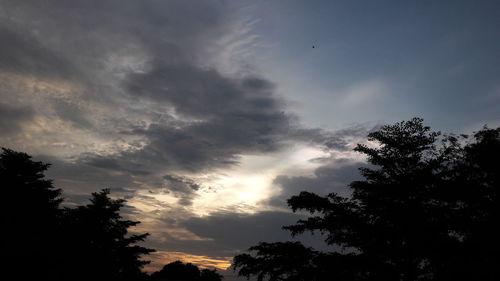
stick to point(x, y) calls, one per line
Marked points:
point(85, 243)
point(41, 240)
point(29, 212)
point(100, 241)
point(428, 209)
point(178, 271)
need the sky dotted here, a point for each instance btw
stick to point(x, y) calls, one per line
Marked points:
point(207, 115)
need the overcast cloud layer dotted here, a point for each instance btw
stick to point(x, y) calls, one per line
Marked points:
point(197, 112)
point(126, 94)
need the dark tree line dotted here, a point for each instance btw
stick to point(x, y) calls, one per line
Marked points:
point(428, 209)
point(185, 271)
point(41, 240)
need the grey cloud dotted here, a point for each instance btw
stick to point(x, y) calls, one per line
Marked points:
point(103, 162)
point(209, 144)
point(79, 180)
point(338, 140)
point(332, 177)
point(241, 231)
point(231, 233)
point(234, 120)
point(113, 164)
point(235, 116)
point(170, 30)
point(159, 48)
point(203, 93)
point(341, 139)
point(182, 187)
point(181, 183)
point(231, 115)
point(216, 143)
point(52, 37)
point(23, 53)
point(70, 112)
point(12, 117)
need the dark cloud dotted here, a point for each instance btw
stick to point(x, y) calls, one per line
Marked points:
point(172, 31)
point(342, 139)
point(235, 231)
point(71, 112)
point(12, 118)
point(24, 54)
point(137, 74)
point(338, 140)
point(78, 180)
point(181, 183)
point(182, 187)
point(136, 63)
point(213, 143)
point(136, 78)
point(230, 233)
point(332, 177)
point(204, 93)
point(130, 50)
point(113, 164)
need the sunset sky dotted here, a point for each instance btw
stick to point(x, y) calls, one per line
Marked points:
point(207, 115)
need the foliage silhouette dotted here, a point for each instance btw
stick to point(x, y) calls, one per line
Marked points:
point(210, 275)
point(178, 271)
point(30, 215)
point(427, 212)
point(86, 243)
point(100, 245)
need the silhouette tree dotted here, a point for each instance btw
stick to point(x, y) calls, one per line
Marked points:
point(99, 247)
point(86, 243)
point(471, 197)
point(178, 271)
point(210, 275)
point(425, 213)
point(29, 213)
point(278, 261)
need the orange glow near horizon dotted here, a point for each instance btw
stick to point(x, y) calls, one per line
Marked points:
point(161, 258)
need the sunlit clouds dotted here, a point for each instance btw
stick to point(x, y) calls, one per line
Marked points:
point(221, 263)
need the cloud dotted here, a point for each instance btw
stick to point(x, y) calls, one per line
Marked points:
point(332, 177)
point(222, 118)
point(138, 75)
point(126, 95)
point(226, 233)
point(13, 117)
point(160, 258)
point(131, 89)
point(182, 187)
point(78, 180)
point(230, 233)
point(25, 54)
point(71, 112)
point(181, 183)
point(221, 234)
